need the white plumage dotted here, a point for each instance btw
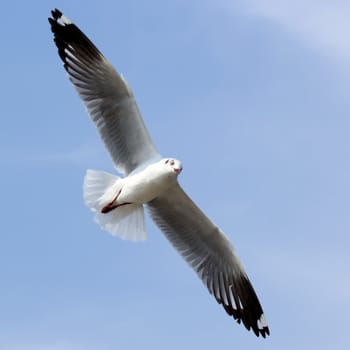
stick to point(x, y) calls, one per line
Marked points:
point(148, 180)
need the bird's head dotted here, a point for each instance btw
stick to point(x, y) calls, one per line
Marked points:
point(172, 165)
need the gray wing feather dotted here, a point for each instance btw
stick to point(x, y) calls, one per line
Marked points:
point(106, 95)
point(210, 254)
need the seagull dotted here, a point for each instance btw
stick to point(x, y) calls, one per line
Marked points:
point(148, 180)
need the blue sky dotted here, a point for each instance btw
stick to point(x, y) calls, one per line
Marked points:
point(253, 97)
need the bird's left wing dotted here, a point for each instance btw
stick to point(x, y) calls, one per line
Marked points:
point(210, 254)
point(106, 95)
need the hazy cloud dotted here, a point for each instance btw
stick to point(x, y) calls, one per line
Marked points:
point(321, 25)
point(313, 272)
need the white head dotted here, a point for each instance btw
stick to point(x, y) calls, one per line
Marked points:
point(173, 165)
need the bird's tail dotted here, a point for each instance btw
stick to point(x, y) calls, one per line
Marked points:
point(127, 221)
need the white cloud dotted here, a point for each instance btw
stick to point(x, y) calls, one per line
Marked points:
point(81, 155)
point(88, 155)
point(321, 25)
point(55, 345)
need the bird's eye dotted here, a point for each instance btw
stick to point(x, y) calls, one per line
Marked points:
point(172, 162)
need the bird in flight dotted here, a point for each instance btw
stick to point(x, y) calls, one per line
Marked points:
point(149, 180)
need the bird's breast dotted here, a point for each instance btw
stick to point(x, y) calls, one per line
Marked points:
point(144, 186)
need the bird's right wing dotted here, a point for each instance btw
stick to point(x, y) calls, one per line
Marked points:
point(106, 95)
point(210, 254)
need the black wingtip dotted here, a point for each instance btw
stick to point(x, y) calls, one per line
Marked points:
point(245, 307)
point(56, 13)
point(68, 37)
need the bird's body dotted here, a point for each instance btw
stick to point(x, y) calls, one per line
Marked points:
point(149, 183)
point(149, 180)
point(143, 186)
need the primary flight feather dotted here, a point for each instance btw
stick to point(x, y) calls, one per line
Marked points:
point(149, 180)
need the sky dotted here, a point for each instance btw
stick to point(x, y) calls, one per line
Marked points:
point(253, 97)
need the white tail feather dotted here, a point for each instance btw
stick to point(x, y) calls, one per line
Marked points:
point(127, 221)
point(96, 184)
